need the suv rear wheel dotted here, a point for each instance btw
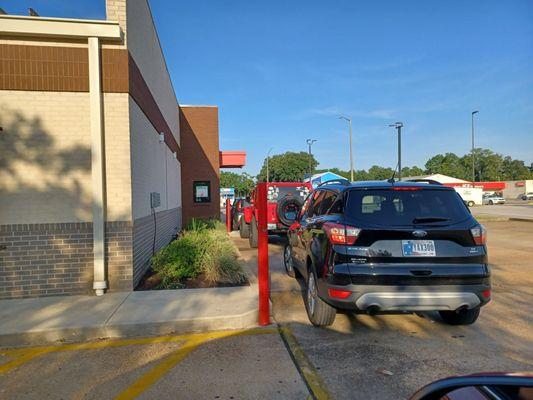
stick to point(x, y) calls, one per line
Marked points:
point(319, 312)
point(253, 234)
point(244, 229)
point(462, 317)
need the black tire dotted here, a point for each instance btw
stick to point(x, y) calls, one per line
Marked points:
point(288, 261)
point(471, 203)
point(463, 317)
point(491, 202)
point(253, 234)
point(319, 312)
point(294, 202)
point(244, 229)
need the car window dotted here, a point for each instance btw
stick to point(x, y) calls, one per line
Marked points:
point(402, 207)
point(327, 202)
point(314, 208)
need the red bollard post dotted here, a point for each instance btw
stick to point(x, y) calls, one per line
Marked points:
point(262, 254)
point(228, 215)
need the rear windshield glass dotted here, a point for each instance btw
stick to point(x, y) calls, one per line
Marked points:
point(406, 207)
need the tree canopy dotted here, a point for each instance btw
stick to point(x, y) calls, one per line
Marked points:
point(242, 183)
point(287, 167)
point(489, 166)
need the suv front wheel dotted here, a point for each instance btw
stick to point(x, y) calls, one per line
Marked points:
point(288, 261)
point(319, 312)
point(462, 317)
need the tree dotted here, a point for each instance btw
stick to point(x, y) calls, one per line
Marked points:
point(287, 167)
point(378, 173)
point(447, 164)
point(413, 171)
point(514, 170)
point(242, 183)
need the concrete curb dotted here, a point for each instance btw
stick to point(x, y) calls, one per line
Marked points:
point(120, 322)
point(68, 335)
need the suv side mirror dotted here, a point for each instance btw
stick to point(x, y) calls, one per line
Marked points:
point(495, 386)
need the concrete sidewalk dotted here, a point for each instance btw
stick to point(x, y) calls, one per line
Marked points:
point(159, 312)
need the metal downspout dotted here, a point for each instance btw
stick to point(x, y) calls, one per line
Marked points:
point(97, 166)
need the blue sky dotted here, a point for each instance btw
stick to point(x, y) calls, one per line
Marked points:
point(281, 72)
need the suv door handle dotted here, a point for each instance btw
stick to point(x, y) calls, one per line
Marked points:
point(421, 272)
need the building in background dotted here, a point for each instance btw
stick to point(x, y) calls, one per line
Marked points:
point(99, 165)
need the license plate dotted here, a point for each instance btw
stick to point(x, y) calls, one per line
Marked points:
point(271, 227)
point(418, 248)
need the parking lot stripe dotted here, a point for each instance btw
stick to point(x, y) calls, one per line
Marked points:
point(24, 354)
point(194, 341)
point(313, 380)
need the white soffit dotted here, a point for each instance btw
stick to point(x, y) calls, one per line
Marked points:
point(19, 25)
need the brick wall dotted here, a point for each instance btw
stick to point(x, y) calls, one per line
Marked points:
point(200, 159)
point(57, 259)
point(168, 224)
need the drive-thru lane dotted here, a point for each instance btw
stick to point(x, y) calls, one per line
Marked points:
point(390, 356)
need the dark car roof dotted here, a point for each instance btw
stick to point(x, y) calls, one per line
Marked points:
point(383, 184)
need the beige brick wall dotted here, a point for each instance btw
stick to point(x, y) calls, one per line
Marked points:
point(116, 11)
point(153, 167)
point(118, 162)
point(45, 162)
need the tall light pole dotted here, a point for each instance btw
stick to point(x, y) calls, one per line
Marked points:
point(399, 126)
point(309, 144)
point(351, 152)
point(473, 162)
point(268, 171)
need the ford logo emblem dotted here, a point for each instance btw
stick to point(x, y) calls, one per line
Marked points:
point(419, 233)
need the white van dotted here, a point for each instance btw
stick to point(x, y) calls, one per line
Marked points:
point(470, 195)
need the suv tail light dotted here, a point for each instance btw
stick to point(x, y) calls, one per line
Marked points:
point(341, 234)
point(479, 233)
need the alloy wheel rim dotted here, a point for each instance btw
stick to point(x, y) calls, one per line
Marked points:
point(288, 258)
point(311, 293)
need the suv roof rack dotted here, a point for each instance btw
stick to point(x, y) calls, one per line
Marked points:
point(344, 182)
point(430, 181)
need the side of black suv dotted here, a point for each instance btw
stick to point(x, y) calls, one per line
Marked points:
point(380, 247)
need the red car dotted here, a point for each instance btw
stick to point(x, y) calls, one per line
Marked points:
point(284, 202)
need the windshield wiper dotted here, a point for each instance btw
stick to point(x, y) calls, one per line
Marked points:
point(419, 220)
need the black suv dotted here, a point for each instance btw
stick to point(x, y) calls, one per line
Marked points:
point(379, 247)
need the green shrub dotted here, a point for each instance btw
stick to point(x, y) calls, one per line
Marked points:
point(198, 224)
point(202, 248)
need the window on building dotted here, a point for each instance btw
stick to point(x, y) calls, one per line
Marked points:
point(202, 191)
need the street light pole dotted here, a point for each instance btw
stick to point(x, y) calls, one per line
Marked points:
point(351, 151)
point(399, 126)
point(309, 144)
point(473, 162)
point(268, 171)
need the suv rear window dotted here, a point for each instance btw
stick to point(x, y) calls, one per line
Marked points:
point(406, 207)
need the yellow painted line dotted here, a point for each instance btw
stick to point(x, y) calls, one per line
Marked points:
point(161, 369)
point(314, 381)
point(25, 354)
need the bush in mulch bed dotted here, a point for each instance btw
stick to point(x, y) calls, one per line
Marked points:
point(202, 252)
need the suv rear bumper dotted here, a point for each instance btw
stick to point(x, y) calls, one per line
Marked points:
point(375, 298)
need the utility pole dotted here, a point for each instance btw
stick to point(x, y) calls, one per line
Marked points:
point(309, 144)
point(399, 126)
point(351, 152)
point(268, 158)
point(473, 162)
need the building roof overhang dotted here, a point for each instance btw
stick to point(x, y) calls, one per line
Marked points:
point(21, 25)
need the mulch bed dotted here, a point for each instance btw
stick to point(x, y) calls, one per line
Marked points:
point(151, 281)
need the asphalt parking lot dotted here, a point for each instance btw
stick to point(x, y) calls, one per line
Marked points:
point(358, 357)
point(509, 210)
point(390, 356)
